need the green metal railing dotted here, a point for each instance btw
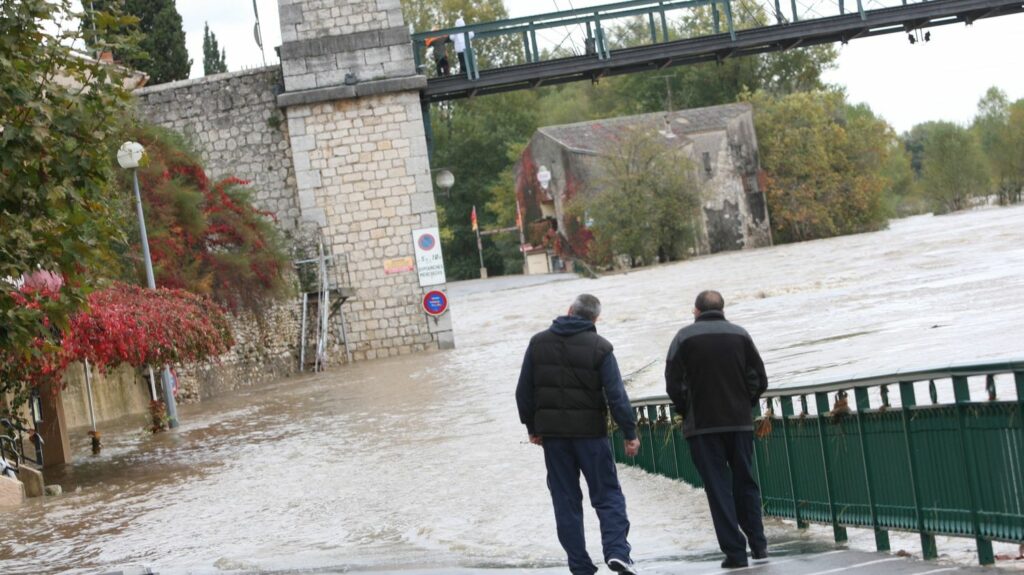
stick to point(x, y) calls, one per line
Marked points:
point(948, 466)
point(594, 22)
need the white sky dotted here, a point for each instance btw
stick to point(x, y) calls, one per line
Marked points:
point(906, 84)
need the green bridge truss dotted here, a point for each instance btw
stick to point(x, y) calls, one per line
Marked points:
point(886, 458)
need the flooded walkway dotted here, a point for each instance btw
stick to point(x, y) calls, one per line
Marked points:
point(420, 462)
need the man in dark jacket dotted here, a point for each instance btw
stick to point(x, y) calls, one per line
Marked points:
point(715, 376)
point(569, 382)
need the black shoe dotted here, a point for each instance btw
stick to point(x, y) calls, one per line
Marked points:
point(731, 563)
point(759, 554)
point(621, 566)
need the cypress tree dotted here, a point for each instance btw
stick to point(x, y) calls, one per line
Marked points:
point(213, 60)
point(160, 37)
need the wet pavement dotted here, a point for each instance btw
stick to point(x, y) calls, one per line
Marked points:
point(420, 464)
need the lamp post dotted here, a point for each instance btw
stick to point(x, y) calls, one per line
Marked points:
point(129, 156)
point(445, 180)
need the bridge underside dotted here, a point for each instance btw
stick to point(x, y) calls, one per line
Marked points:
point(721, 46)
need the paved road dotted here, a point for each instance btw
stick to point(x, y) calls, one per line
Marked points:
point(837, 561)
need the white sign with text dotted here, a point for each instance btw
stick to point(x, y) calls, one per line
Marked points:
point(429, 261)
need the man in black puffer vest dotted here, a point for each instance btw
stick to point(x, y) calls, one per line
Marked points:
point(569, 382)
point(714, 376)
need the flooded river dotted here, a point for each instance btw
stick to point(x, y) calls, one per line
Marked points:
point(421, 461)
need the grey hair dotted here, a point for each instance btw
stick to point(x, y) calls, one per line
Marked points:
point(586, 306)
point(709, 300)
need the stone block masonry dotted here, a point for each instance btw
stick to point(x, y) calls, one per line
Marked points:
point(234, 122)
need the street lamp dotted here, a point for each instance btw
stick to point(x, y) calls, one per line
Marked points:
point(129, 156)
point(445, 180)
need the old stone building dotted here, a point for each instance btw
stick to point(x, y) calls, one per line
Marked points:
point(720, 141)
point(333, 143)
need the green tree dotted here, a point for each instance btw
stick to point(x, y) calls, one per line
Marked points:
point(214, 57)
point(824, 160)
point(161, 52)
point(953, 168)
point(646, 202)
point(999, 129)
point(61, 121)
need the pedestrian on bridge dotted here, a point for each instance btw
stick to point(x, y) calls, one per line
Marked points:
point(714, 376)
point(460, 45)
point(569, 382)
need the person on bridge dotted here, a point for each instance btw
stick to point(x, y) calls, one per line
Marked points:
point(714, 376)
point(460, 45)
point(569, 382)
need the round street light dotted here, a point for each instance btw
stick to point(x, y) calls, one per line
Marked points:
point(445, 180)
point(544, 177)
point(130, 155)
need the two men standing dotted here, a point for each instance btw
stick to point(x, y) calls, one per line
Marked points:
point(569, 383)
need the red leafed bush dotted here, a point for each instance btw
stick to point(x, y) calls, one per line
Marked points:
point(123, 324)
point(129, 324)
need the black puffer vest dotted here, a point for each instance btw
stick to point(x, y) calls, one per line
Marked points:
point(568, 394)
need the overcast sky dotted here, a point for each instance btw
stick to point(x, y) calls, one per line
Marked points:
point(906, 84)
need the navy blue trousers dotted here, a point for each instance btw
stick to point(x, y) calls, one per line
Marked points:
point(566, 459)
point(724, 463)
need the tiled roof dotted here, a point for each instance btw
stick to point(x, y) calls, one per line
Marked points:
point(588, 136)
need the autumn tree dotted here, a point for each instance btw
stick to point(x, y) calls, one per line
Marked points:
point(214, 57)
point(205, 236)
point(646, 203)
point(61, 120)
point(953, 168)
point(824, 160)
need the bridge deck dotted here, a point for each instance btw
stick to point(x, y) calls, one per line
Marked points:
point(711, 48)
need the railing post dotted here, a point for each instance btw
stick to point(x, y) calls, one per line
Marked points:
point(715, 18)
point(863, 404)
point(838, 532)
point(860, 8)
point(526, 47)
point(778, 12)
point(962, 396)
point(654, 31)
point(787, 412)
point(664, 24)
point(471, 71)
point(602, 51)
point(908, 400)
point(533, 43)
point(652, 418)
point(842, 8)
point(417, 58)
point(796, 16)
point(728, 19)
point(757, 464)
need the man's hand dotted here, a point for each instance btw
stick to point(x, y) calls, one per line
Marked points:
point(536, 440)
point(632, 447)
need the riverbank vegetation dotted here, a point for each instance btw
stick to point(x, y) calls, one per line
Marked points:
point(833, 166)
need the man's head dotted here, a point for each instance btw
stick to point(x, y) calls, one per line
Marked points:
point(586, 306)
point(708, 300)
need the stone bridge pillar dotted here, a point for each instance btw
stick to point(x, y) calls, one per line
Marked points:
point(359, 149)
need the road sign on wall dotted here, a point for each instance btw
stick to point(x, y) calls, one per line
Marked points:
point(429, 261)
point(435, 302)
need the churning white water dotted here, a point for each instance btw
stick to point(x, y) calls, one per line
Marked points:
point(421, 461)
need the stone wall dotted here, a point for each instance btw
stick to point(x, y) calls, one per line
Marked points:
point(265, 349)
point(363, 168)
point(234, 122)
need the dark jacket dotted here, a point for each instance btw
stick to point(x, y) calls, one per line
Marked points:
point(568, 382)
point(714, 376)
